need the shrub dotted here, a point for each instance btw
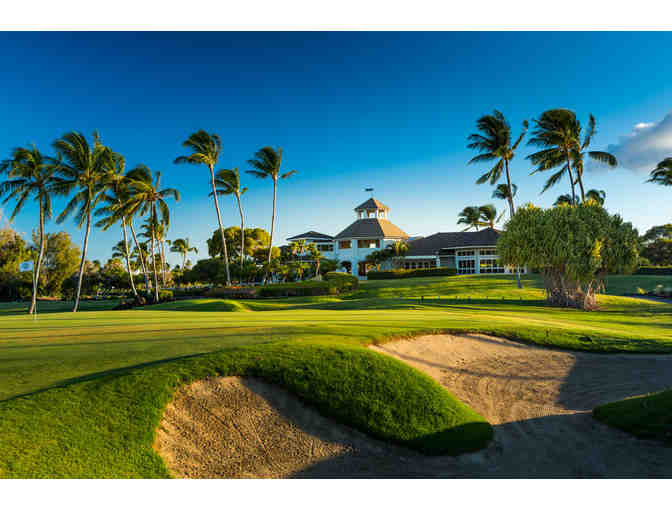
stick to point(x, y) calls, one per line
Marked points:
point(574, 246)
point(655, 270)
point(166, 295)
point(309, 288)
point(184, 292)
point(344, 281)
point(411, 273)
point(231, 293)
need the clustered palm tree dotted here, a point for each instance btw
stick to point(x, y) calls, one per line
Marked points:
point(227, 182)
point(475, 216)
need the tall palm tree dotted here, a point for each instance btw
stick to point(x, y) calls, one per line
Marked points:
point(558, 133)
point(183, 247)
point(494, 143)
point(206, 149)
point(470, 216)
point(30, 174)
point(83, 168)
point(147, 197)
point(266, 163)
point(115, 196)
point(599, 156)
point(227, 182)
point(597, 195)
point(662, 174)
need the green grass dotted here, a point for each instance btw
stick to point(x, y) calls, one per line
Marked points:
point(646, 416)
point(81, 394)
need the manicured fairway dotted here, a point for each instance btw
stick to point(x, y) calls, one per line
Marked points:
point(91, 361)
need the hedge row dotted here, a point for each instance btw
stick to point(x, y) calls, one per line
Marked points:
point(411, 273)
point(655, 270)
point(333, 283)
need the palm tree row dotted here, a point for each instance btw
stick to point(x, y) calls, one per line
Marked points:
point(95, 174)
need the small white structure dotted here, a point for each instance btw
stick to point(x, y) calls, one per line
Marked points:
point(468, 252)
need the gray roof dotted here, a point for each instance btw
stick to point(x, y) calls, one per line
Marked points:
point(432, 244)
point(372, 228)
point(372, 204)
point(311, 234)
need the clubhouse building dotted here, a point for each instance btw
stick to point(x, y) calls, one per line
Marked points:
point(468, 252)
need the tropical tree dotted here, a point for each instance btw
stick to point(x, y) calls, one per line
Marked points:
point(297, 248)
point(227, 182)
point(470, 216)
point(183, 247)
point(493, 143)
point(662, 174)
point(206, 149)
point(115, 197)
point(502, 191)
point(315, 255)
point(266, 163)
point(565, 199)
point(598, 156)
point(83, 167)
point(397, 252)
point(597, 195)
point(31, 175)
point(147, 197)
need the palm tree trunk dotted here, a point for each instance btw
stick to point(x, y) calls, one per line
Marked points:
point(242, 236)
point(184, 260)
point(513, 211)
point(81, 264)
point(128, 256)
point(270, 244)
point(162, 254)
point(221, 228)
point(36, 270)
point(579, 178)
point(156, 276)
point(571, 177)
point(142, 257)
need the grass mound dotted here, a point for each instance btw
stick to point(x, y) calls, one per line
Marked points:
point(104, 425)
point(647, 416)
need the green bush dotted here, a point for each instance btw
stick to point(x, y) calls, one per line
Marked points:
point(655, 270)
point(166, 295)
point(411, 273)
point(231, 293)
point(190, 292)
point(344, 281)
point(308, 288)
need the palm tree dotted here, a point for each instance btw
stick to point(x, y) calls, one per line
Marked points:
point(495, 144)
point(206, 149)
point(397, 250)
point(115, 196)
point(31, 174)
point(662, 174)
point(470, 216)
point(488, 215)
point(147, 197)
point(183, 247)
point(315, 256)
point(599, 156)
point(227, 182)
point(83, 168)
point(266, 163)
point(597, 195)
point(565, 199)
point(502, 191)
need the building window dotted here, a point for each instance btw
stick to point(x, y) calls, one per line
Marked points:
point(468, 253)
point(488, 252)
point(466, 267)
point(490, 266)
point(368, 243)
point(344, 245)
point(325, 247)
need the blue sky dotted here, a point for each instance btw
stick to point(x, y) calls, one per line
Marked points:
point(350, 109)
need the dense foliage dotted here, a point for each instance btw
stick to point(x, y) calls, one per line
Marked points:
point(411, 273)
point(575, 247)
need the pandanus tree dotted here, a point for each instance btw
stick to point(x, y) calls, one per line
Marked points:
point(148, 198)
point(470, 216)
point(227, 182)
point(206, 149)
point(83, 168)
point(183, 247)
point(31, 175)
point(266, 164)
point(115, 197)
point(662, 174)
point(494, 143)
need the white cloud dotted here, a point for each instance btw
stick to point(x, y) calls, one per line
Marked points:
point(647, 144)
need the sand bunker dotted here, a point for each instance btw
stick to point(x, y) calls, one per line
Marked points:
point(539, 401)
